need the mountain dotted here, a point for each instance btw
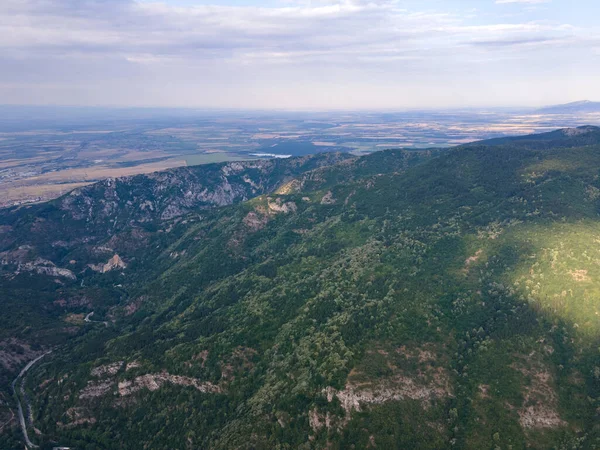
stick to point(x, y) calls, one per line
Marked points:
point(565, 138)
point(584, 106)
point(427, 299)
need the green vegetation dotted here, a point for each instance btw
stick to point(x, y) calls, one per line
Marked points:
point(399, 300)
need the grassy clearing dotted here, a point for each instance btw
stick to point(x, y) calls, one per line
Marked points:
point(558, 271)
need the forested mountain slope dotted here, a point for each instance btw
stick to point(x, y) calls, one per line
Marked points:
point(61, 260)
point(48, 250)
point(402, 300)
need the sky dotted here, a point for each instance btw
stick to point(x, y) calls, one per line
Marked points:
point(299, 54)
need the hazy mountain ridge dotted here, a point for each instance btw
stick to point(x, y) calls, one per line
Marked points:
point(85, 218)
point(172, 193)
point(369, 302)
point(141, 203)
point(564, 138)
point(584, 106)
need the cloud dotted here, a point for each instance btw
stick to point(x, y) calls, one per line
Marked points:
point(529, 41)
point(126, 48)
point(148, 32)
point(528, 2)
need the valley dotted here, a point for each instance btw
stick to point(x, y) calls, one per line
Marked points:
point(423, 298)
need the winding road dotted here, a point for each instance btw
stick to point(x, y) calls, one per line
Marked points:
point(20, 408)
point(21, 377)
point(88, 320)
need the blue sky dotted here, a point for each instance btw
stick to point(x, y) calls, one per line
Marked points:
point(299, 54)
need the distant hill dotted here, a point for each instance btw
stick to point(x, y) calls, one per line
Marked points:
point(584, 106)
point(564, 138)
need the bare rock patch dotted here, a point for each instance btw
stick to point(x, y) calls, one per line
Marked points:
point(153, 382)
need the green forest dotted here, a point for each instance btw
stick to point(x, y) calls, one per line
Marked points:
point(432, 299)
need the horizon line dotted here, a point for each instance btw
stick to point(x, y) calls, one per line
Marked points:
point(295, 110)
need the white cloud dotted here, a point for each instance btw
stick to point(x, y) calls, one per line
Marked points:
point(141, 30)
point(154, 53)
point(529, 2)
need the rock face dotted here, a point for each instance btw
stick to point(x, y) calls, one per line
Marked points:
point(175, 192)
point(48, 268)
point(106, 370)
point(280, 206)
point(113, 263)
point(153, 382)
point(95, 389)
point(24, 259)
point(540, 405)
point(328, 199)
point(149, 381)
point(255, 220)
point(426, 384)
